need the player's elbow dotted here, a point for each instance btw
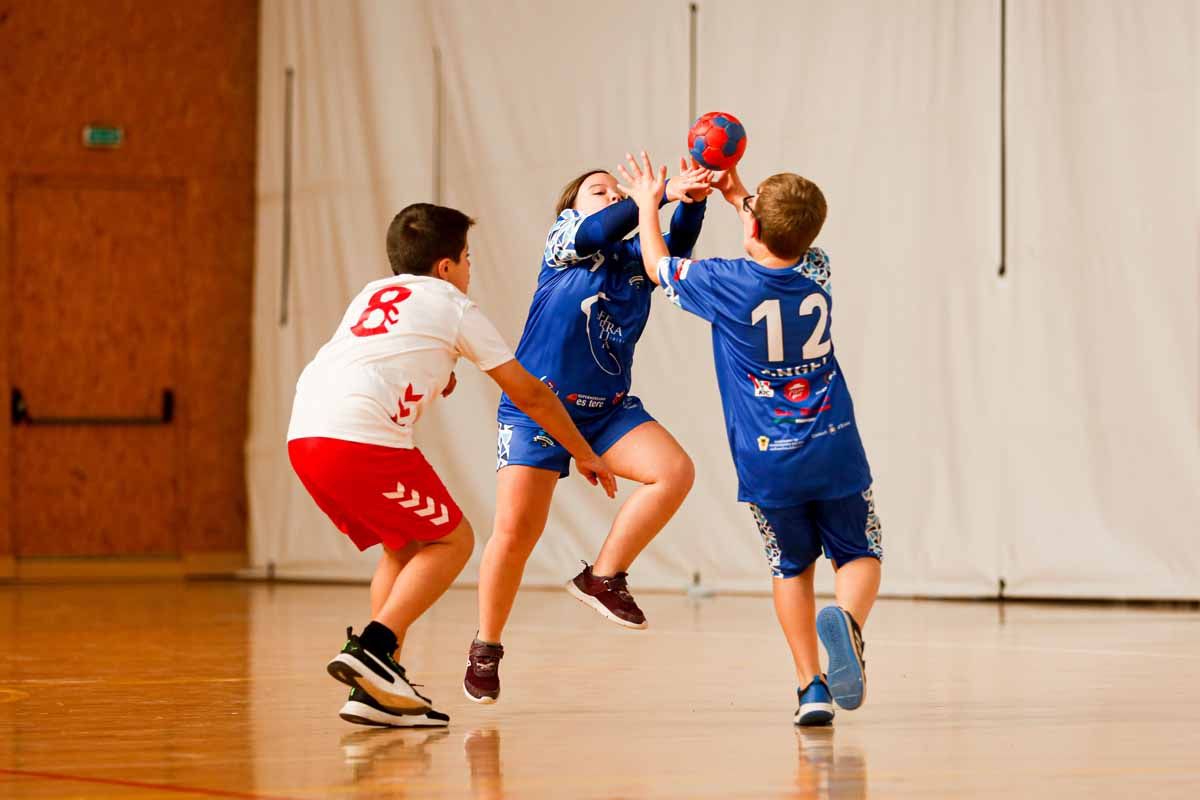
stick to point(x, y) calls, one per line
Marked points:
point(532, 396)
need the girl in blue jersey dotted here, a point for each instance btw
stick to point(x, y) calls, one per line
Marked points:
point(588, 312)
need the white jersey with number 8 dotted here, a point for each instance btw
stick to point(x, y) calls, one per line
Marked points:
point(390, 358)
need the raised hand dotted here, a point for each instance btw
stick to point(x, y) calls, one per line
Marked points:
point(642, 181)
point(692, 184)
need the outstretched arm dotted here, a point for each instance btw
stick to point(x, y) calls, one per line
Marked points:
point(685, 227)
point(543, 406)
point(644, 185)
point(613, 223)
point(730, 185)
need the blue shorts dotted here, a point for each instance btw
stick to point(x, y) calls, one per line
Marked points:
point(847, 529)
point(530, 446)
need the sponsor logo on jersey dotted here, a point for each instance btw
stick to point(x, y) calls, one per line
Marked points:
point(638, 281)
point(761, 388)
point(832, 429)
point(543, 438)
point(587, 400)
point(404, 411)
point(796, 391)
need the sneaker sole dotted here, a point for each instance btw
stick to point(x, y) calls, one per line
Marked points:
point(362, 714)
point(347, 669)
point(847, 681)
point(814, 714)
point(483, 701)
point(600, 608)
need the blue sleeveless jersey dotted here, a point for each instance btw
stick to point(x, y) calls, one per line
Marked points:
point(585, 321)
point(788, 412)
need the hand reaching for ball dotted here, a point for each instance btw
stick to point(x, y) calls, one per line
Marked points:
point(692, 184)
point(642, 182)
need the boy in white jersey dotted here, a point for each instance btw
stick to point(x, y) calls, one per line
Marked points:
point(350, 442)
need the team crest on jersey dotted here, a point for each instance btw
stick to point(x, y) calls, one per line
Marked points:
point(603, 329)
point(764, 442)
point(761, 388)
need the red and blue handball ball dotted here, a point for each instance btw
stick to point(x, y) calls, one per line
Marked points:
point(717, 140)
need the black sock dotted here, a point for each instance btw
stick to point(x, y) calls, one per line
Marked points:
point(378, 639)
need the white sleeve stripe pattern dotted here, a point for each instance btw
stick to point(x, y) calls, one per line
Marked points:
point(664, 270)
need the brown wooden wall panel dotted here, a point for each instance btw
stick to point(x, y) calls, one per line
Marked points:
point(219, 331)
point(91, 336)
point(181, 80)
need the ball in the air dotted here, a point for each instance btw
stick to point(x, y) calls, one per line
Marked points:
point(717, 140)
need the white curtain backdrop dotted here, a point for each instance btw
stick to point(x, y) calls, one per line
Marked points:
point(1042, 430)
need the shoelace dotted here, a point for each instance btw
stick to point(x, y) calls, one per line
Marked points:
point(618, 585)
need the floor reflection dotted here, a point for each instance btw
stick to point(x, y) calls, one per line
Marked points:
point(482, 747)
point(827, 769)
point(390, 760)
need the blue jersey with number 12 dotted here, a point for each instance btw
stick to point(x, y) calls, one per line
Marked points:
point(788, 412)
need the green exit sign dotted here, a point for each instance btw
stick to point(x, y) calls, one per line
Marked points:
point(107, 137)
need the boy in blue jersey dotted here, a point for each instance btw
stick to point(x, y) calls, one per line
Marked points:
point(788, 414)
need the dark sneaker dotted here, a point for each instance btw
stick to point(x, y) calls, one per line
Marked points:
point(379, 676)
point(610, 597)
point(481, 684)
point(843, 642)
point(362, 709)
point(816, 704)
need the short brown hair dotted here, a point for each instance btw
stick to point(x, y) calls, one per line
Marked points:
point(423, 234)
point(570, 192)
point(790, 211)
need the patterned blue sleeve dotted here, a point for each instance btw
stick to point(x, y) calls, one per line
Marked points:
point(815, 267)
point(685, 228)
point(688, 284)
point(560, 242)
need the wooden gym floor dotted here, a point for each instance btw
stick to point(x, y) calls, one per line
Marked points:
point(175, 690)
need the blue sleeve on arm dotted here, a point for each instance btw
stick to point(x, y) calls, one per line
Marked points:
point(606, 227)
point(685, 228)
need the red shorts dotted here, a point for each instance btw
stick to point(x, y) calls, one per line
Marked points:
point(375, 494)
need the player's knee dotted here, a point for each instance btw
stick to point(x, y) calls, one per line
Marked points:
point(680, 474)
point(514, 542)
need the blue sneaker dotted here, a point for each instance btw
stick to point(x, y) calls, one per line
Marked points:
point(843, 642)
point(816, 704)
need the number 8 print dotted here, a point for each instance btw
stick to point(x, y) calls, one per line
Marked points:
point(381, 313)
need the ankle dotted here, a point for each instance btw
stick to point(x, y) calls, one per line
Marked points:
point(379, 639)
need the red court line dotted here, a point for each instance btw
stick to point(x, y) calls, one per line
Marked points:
point(161, 787)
